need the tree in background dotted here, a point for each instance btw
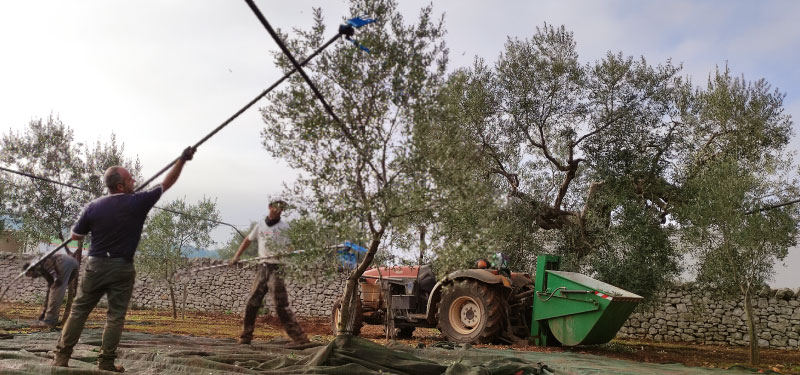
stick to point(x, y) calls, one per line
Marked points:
point(594, 160)
point(471, 217)
point(736, 244)
point(166, 238)
point(232, 245)
point(99, 157)
point(362, 172)
point(49, 149)
point(733, 217)
point(565, 147)
point(46, 210)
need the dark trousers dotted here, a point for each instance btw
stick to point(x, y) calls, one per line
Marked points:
point(268, 280)
point(68, 268)
point(114, 278)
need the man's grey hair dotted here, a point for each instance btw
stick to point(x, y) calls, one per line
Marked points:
point(113, 178)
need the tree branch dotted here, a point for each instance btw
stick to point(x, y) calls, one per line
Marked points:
point(772, 207)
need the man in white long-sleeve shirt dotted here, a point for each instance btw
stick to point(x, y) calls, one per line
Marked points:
point(269, 232)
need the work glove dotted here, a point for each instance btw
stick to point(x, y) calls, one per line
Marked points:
point(188, 153)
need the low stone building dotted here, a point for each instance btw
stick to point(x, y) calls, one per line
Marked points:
point(9, 243)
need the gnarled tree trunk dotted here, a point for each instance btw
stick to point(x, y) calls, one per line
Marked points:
point(751, 329)
point(170, 282)
point(350, 297)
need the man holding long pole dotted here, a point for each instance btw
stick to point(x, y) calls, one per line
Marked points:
point(268, 280)
point(115, 222)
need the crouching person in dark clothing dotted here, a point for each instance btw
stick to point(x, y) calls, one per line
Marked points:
point(115, 222)
point(58, 270)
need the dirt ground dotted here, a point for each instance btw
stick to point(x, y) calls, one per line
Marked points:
point(16, 318)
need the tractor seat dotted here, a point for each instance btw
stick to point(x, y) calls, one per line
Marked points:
point(426, 280)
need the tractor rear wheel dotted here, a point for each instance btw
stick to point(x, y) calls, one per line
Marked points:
point(335, 313)
point(470, 312)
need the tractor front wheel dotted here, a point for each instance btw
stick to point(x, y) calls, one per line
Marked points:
point(470, 312)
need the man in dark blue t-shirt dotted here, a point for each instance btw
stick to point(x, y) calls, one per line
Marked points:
point(115, 222)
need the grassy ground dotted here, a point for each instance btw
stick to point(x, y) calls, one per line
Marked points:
point(16, 318)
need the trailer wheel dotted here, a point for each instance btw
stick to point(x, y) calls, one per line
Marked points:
point(470, 311)
point(359, 322)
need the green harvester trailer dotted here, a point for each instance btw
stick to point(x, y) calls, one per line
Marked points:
point(574, 309)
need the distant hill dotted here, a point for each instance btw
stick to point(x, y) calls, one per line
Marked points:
point(193, 252)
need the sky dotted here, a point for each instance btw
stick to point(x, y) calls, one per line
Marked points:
point(162, 74)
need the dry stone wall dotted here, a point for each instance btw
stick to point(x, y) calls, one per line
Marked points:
point(223, 289)
point(682, 314)
point(24, 289)
point(688, 314)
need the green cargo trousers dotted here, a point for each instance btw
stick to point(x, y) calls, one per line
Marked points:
point(113, 277)
point(268, 280)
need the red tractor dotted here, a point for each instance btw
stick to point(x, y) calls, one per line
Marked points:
point(478, 305)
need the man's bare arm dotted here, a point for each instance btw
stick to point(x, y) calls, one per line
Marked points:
point(242, 247)
point(175, 172)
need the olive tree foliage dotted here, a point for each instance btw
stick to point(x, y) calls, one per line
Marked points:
point(595, 158)
point(99, 156)
point(166, 237)
point(48, 148)
point(470, 218)
point(733, 216)
point(320, 240)
point(232, 245)
point(583, 153)
point(735, 243)
point(362, 172)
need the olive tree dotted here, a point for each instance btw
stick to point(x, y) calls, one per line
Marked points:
point(735, 218)
point(46, 210)
point(48, 148)
point(166, 237)
point(570, 147)
point(98, 157)
point(363, 171)
point(232, 245)
point(736, 243)
point(594, 158)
